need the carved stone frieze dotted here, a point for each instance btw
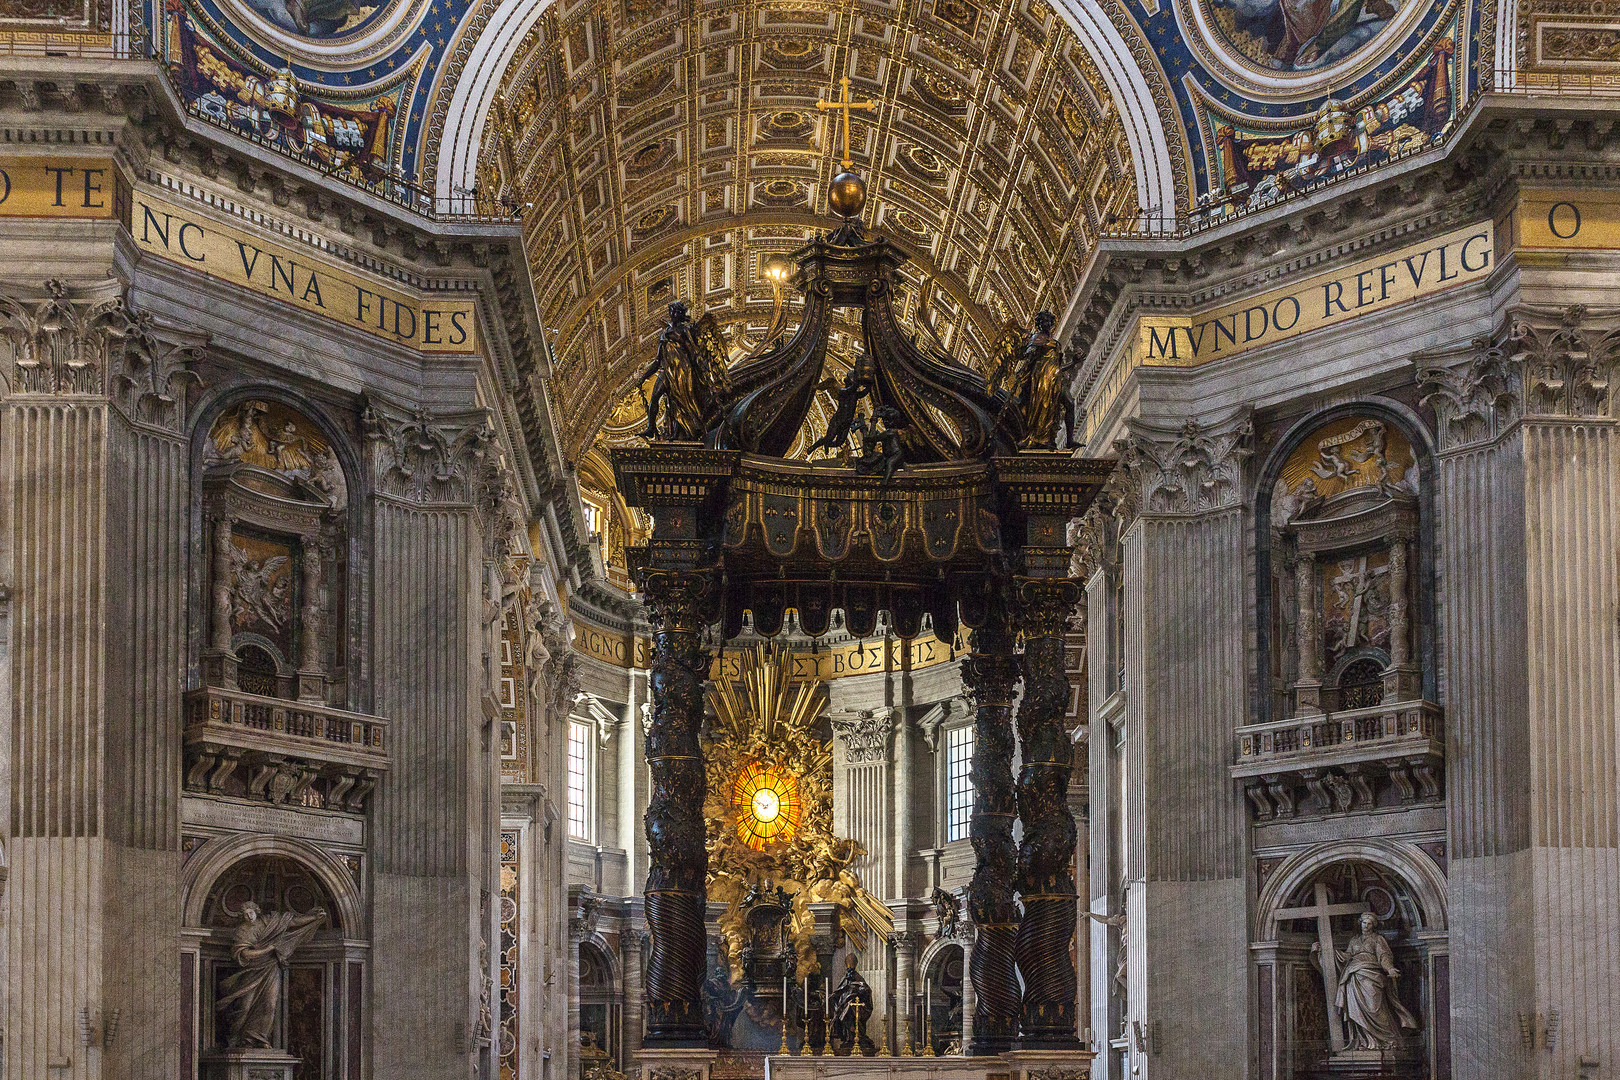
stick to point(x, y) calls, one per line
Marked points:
point(1191, 470)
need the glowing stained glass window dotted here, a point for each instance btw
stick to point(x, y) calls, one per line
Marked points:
point(767, 805)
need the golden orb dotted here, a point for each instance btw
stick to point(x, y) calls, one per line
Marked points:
point(847, 194)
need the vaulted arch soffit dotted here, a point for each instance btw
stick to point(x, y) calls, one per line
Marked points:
point(1223, 104)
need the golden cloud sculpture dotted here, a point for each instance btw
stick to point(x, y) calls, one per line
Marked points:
point(769, 808)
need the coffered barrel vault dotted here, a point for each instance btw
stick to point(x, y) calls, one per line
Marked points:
point(662, 150)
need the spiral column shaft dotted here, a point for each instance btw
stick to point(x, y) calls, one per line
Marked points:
point(680, 604)
point(1046, 853)
point(992, 677)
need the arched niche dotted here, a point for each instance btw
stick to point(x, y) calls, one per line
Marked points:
point(940, 1008)
point(275, 516)
point(1342, 489)
point(1314, 901)
point(319, 1014)
point(1345, 565)
point(600, 999)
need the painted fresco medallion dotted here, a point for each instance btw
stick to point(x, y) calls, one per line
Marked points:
point(1295, 49)
point(1301, 35)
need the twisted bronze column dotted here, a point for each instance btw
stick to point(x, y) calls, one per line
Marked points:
point(681, 604)
point(1046, 855)
point(991, 674)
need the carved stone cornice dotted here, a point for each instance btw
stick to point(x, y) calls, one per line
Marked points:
point(865, 734)
point(424, 459)
point(1193, 469)
point(931, 719)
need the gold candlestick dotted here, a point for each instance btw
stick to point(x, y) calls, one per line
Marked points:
point(826, 1046)
point(883, 1043)
point(855, 1047)
point(905, 1042)
point(928, 1036)
point(784, 1050)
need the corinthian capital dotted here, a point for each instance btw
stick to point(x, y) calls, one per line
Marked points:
point(57, 339)
point(1475, 394)
point(1192, 469)
point(1567, 363)
point(425, 459)
point(865, 734)
point(151, 368)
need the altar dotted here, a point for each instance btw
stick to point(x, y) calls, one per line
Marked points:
point(1015, 1065)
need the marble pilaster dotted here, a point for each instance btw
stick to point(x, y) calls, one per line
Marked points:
point(93, 570)
point(429, 595)
point(1185, 694)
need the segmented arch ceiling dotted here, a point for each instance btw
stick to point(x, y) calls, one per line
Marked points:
point(665, 146)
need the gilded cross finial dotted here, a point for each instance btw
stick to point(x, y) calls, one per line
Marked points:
point(846, 106)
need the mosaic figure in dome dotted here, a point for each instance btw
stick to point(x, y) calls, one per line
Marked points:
point(1299, 35)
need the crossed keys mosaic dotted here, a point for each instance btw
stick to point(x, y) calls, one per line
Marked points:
point(667, 149)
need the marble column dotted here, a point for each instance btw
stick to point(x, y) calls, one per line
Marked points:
point(1046, 853)
point(1308, 643)
point(219, 658)
point(680, 603)
point(311, 677)
point(1402, 680)
point(991, 675)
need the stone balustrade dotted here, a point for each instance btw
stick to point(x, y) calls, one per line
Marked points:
point(296, 753)
point(1354, 759)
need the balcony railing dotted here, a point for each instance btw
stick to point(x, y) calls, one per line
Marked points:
point(298, 753)
point(1389, 754)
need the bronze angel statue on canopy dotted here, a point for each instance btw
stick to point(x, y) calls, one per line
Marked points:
point(692, 391)
point(1029, 371)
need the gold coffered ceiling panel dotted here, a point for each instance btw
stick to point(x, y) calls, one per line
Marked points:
point(665, 146)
